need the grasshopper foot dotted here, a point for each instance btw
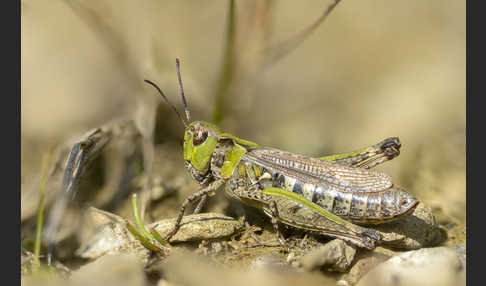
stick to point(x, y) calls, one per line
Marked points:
point(370, 238)
point(282, 241)
point(170, 234)
point(280, 238)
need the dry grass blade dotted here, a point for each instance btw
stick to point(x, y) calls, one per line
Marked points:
point(276, 52)
point(228, 67)
point(81, 154)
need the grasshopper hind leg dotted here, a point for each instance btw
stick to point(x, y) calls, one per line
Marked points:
point(368, 157)
point(312, 217)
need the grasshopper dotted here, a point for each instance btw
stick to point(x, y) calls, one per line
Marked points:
point(333, 195)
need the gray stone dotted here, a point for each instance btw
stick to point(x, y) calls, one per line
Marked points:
point(364, 262)
point(414, 231)
point(122, 269)
point(336, 255)
point(428, 266)
point(197, 227)
point(110, 237)
point(460, 252)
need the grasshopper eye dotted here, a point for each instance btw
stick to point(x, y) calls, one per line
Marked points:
point(199, 138)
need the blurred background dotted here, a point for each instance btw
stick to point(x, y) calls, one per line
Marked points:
point(372, 70)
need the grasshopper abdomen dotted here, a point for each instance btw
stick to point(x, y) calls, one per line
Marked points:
point(357, 207)
point(347, 193)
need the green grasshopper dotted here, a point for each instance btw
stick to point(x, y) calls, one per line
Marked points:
point(332, 195)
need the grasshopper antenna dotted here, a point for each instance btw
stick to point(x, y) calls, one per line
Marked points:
point(166, 100)
point(186, 109)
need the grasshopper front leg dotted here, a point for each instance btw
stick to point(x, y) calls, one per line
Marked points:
point(201, 204)
point(213, 186)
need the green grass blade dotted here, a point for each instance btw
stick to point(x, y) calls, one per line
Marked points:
point(158, 237)
point(138, 220)
point(40, 208)
point(143, 239)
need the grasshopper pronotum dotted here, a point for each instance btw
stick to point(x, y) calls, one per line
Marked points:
point(328, 195)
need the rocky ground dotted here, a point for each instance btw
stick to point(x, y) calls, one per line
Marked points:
point(369, 72)
point(236, 244)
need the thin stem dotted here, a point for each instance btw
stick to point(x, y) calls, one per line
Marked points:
point(277, 51)
point(227, 71)
point(40, 208)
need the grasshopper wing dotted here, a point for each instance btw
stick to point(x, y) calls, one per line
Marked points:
point(314, 171)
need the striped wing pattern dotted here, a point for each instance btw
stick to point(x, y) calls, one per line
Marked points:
point(312, 170)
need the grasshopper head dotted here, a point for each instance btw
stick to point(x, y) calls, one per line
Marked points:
point(200, 139)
